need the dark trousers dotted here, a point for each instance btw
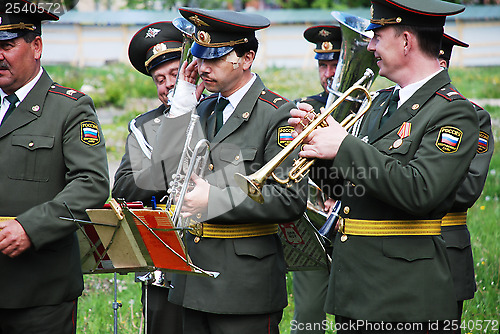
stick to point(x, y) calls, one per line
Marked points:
point(351, 326)
point(162, 316)
point(197, 322)
point(53, 319)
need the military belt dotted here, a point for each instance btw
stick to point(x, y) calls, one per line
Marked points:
point(454, 219)
point(381, 228)
point(229, 231)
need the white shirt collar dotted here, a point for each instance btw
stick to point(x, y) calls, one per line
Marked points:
point(22, 92)
point(408, 91)
point(236, 97)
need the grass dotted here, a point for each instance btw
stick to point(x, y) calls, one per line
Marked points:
point(117, 86)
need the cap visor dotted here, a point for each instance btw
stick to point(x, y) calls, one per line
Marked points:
point(6, 35)
point(373, 26)
point(204, 52)
point(327, 56)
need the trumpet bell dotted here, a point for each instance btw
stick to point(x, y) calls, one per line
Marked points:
point(250, 186)
point(353, 61)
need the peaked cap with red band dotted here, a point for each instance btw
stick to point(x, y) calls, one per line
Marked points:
point(429, 13)
point(218, 31)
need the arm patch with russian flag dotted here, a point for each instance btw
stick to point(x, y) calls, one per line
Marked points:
point(89, 133)
point(285, 135)
point(449, 139)
point(483, 143)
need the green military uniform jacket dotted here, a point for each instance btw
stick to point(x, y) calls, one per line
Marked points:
point(457, 238)
point(133, 180)
point(401, 278)
point(53, 156)
point(252, 269)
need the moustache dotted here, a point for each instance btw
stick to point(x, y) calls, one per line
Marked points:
point(205, 77)
point(4, 65)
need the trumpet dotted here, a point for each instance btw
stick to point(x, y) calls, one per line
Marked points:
point(252, 184)
point(195, 159)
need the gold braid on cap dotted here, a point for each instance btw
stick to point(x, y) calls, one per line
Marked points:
point(384, 21)
point(156, 55)
point(326, 51)
point(20, 25)
point(221, 44)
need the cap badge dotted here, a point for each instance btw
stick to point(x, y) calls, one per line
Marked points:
point(371, 12)
point(159, 48)
point(324, 33)
point(152, 32)
point(197, 21)
point(204, 37)
point(326, 46)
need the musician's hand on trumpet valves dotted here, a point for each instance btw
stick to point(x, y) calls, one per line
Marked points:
point(322, 142)
point(196, 200)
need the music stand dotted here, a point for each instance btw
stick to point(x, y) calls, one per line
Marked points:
point(136, 240)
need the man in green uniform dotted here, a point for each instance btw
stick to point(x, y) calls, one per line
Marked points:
point(155, 51)
point(453, 227)
point(53, 165)
point(310, 287)
point(390, 270)
point(328, 41)
point(238, 236)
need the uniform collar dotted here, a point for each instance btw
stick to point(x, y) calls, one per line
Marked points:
point(23, 91)
point(408, 91)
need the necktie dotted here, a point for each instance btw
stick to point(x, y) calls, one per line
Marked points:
point(219, 108)
point(12, 100)
point(393, 105)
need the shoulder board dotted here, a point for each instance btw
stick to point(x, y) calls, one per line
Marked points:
point(450, 94)
point(206, 98)
point(476, 106)
point(272, 98)
point(150, 115)
point(65, 91)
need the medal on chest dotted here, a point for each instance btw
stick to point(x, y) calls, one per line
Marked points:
point(403, 132)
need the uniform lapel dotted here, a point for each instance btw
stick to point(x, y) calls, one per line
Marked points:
point(241, 114)
point(412, 106)
point(30, 108)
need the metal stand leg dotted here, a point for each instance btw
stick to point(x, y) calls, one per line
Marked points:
point(116, 305)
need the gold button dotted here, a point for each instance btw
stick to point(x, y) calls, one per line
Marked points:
point(197, 239)
point(31, 144)
point(346, 210)
point(35, 108)
point(211, 167)
point(415, 106)
point(198, 215)
point(237, 158)
point(343, 238)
